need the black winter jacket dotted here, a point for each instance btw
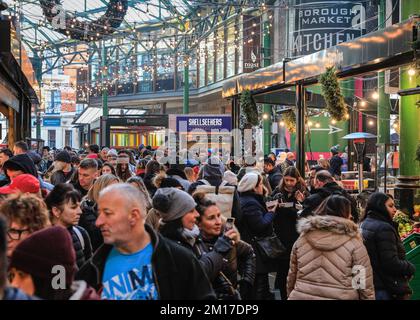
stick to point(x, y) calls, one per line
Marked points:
point(83, 252)
point(274, 177)
point(335, 165)
point(61, 177)
point(285, 222)
point(391, 271)
point(257, 222)
point(176, 271)
point(240, 260)
point(315, 199)
point(88, 220)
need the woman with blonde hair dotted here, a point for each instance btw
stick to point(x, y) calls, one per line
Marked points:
point(191, 175)
point(90, 208)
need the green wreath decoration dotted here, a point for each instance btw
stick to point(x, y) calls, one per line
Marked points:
point(331, 91)
point(88, 30)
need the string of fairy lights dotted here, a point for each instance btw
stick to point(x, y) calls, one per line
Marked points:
point(159, 55)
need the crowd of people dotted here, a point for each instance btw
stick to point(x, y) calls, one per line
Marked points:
point(120, 225)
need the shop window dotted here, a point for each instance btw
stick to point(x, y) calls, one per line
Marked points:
point(68, 141)
point(51, 138)
point(230, 48)
point(220, 55)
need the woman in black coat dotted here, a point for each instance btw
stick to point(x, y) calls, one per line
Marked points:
point(257, 222)
point(391, 270)
point(178, 223)
point(240, 259)
point(291, 191)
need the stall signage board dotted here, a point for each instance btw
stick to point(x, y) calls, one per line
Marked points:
point(161, 121)
point(318, 25)
point(206, 123)
point(51, 122)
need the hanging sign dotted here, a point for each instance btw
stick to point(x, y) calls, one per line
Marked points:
point(320, 24)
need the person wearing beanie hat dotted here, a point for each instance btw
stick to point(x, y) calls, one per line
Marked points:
point(132, 251)
point(173, 204)
point(34, 262)
point(230, 178)
point(178, 213)
point(249, 182)
point(258, 223)
point(335, 163)
point(19, 164)
point(63, 168)
point(25, 183)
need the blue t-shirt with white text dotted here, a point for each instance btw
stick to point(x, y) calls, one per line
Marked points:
point(129, 276)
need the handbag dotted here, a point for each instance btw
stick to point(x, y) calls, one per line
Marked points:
point(270, 247)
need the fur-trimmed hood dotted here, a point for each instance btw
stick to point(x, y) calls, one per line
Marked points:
point(327, 232)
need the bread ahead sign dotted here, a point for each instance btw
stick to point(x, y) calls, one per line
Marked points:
point(322, 24)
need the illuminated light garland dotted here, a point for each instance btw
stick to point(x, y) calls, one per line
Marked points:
point(84, 30)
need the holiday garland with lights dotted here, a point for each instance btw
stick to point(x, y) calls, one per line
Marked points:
point(331, 91)
point(85, 30)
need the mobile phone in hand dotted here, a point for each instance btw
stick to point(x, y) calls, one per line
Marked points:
point(229, 224)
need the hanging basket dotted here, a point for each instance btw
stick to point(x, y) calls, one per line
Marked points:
point(331, 91)
point(249, 108)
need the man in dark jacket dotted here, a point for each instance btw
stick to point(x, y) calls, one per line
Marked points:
point(65, 174)
point(324, 187)
point(155, 267)
point(335, 163)
point(273, 172)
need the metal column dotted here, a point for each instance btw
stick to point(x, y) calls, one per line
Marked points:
point(300, 128)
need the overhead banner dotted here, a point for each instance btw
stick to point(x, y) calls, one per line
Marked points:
point(251, 43)
point(318, 25)
point(82, 86)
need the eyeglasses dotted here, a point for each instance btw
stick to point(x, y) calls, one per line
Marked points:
point(16, 234)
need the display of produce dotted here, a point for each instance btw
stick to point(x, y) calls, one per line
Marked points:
point(406, 226)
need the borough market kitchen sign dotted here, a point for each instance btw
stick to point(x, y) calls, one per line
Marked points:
point(322, 24)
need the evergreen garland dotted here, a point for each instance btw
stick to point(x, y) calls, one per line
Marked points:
point(249, 108)
point(331, 91)
point(289, 118)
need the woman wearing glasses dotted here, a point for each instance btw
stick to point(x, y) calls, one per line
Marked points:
point(25, 214)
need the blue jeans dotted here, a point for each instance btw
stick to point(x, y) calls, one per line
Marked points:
point(382, 295)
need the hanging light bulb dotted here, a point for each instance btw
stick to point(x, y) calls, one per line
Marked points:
point(317, 125)
point(282, 124)
point(333, 121)
point(265, 116)
point(310, 123)
point(395, 125)
point(411, 71)
point(363, 103)
point(375, 95)
point(347, 116)
point(371, 123)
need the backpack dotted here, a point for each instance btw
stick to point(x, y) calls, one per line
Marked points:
point(80, 237)
point(222, 195)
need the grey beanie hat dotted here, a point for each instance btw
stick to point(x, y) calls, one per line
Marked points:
point(213, 167)
point(172, 203)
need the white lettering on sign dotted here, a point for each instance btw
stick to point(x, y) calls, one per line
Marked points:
point(318, 27)
point(205, 122)
point(136, 121)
